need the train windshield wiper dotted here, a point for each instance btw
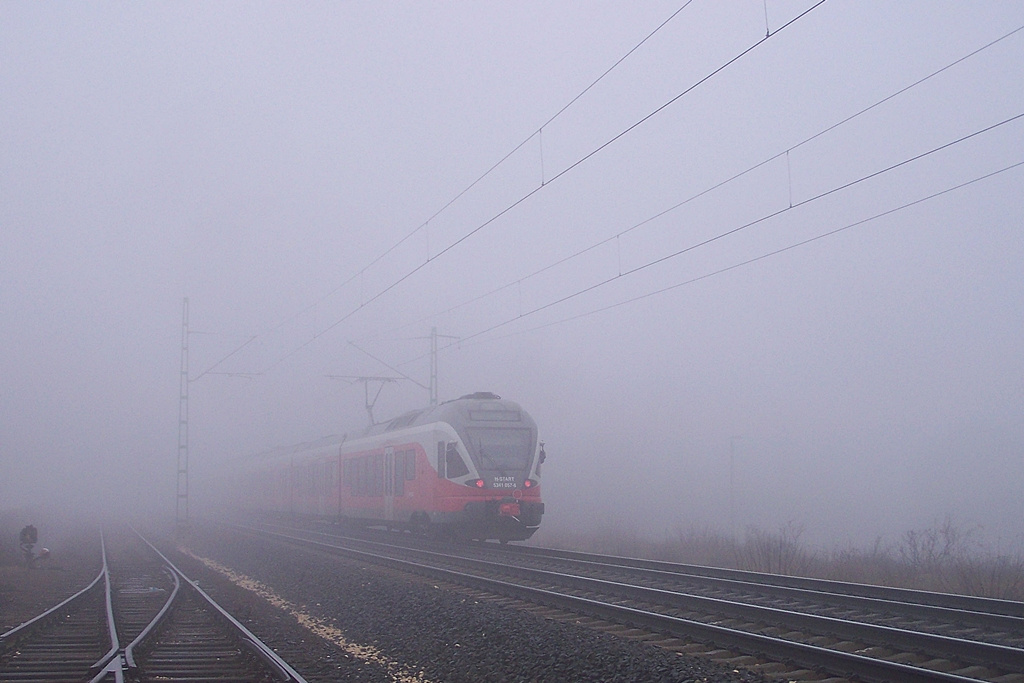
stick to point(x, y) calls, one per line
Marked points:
point(484, 455)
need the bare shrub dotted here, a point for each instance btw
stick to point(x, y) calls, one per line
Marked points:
point(1000, 577)
point(875, 565)
point(946, 557)
point(776, 553)
point(930, 556)
point(927, 548)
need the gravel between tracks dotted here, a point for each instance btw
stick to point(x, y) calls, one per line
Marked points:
point(410, 629)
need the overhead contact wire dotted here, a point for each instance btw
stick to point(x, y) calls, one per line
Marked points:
point(486, 173)
point(558, 175)
point(722, 183)
point(747, 225)
point(762, 257)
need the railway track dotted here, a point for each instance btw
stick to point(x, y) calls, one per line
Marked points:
point(141, 619)
point(817, 629)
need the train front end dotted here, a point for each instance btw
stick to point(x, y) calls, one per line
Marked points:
point(490, 464)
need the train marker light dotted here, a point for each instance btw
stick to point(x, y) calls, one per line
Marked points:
point(479, 483)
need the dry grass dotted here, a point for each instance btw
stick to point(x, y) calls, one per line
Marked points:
point(947, 557)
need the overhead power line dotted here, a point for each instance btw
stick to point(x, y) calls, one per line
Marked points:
point(757, 221)
point(402, 278)
point(389, 367)
point(483, 175)
point(236, 350)
point(716, 186)
point(747, 262)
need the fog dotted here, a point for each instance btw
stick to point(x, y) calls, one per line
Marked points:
point(725, 302)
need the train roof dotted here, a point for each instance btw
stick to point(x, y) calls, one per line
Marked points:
point(327, 441)
point(479, 406)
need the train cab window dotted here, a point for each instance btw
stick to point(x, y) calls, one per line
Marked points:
point(454, 464)
point(440, 460)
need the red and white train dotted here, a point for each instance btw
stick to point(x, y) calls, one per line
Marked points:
point(467, 468)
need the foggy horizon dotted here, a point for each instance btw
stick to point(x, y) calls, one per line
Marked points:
point(765, 269)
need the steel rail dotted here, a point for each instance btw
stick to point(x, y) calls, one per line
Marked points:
point(37, 620)
point(104, 575)
point(63, 652)
point(945, 646)
point(119, 662)
point(1012, 624)
point(890, 607)
point(111, 664)
point(836, 661)
point(283, 670)
point(99, 669)
point(123, 662)
point(969, 603)
point(129, 652)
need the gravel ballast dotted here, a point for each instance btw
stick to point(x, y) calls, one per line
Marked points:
point(405, 628)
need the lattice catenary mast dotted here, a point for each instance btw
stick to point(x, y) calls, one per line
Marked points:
point(181, 502)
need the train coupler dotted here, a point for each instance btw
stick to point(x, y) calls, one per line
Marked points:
point(508, 510)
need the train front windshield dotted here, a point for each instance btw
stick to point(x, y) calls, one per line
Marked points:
point(501, 452)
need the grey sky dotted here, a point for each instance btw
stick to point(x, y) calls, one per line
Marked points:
point(256, 157)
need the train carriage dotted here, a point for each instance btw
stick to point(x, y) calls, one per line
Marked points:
point(468, 468)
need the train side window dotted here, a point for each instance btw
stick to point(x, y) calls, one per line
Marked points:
point(440, 460)
point(377, 475)
point(362, 476)
point(454, 463)
point(398, 476)
point(410, 465)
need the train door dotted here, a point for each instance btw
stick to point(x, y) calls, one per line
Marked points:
point(389, 483)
